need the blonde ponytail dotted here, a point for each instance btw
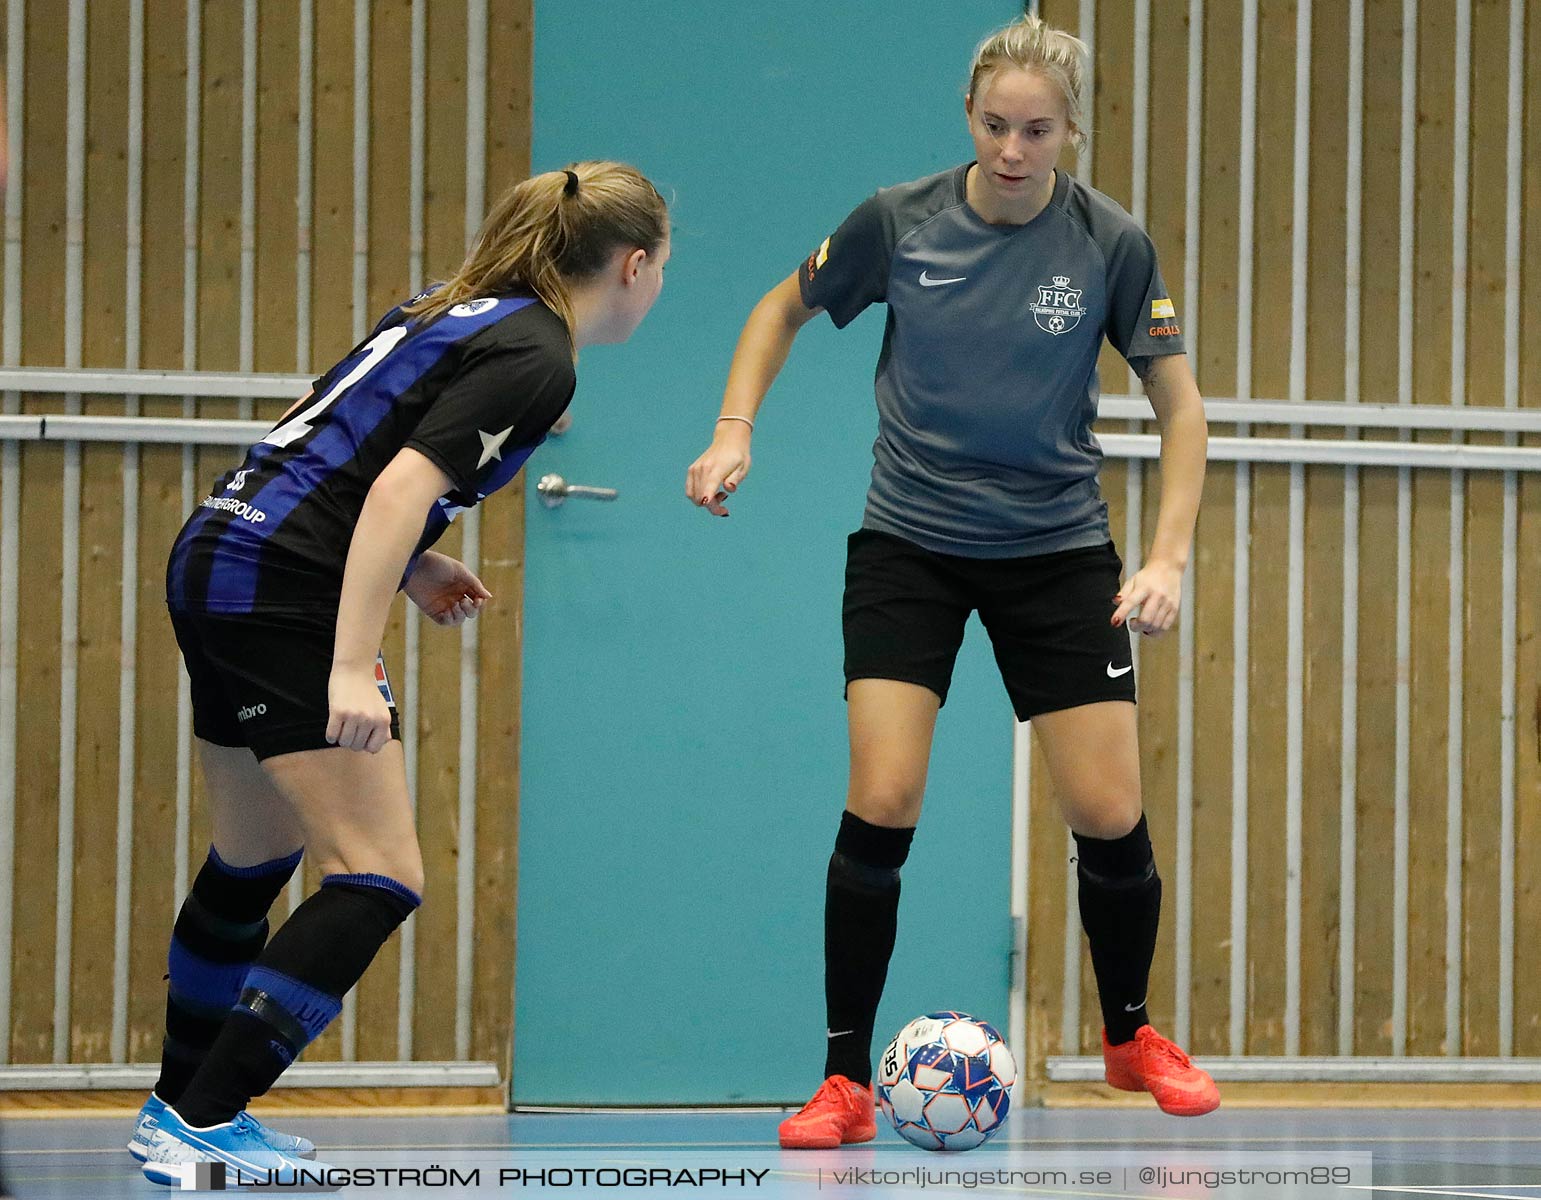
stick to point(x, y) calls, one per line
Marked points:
point(552, 230)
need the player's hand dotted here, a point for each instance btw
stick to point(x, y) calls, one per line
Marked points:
point(1150, 599)
point(715, 476)
point(445, 590)
point(359, 718)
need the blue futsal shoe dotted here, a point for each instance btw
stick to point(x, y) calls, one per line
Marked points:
point(144, 1126)
point(231, 1155)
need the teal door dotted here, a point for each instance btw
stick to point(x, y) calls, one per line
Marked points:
point(684, 751)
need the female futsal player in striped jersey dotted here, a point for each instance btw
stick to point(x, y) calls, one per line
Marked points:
point(1001, 278)
point(279, 587)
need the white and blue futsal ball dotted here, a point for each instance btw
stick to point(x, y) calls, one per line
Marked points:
point(945, 1081)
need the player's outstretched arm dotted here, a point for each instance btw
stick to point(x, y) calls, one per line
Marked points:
point(761, 353)
point(1150, 599)
point(383, 540)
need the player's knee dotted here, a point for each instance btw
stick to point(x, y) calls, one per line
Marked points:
point(412, 880)
point(891, 805)
point(1104, 818)
point(406, 870)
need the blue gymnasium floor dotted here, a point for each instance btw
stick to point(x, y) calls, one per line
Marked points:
point(1475, 1153)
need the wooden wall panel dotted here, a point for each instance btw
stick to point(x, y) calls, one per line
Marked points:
point(161, 512)
point(1376, 774)
point(38, 665)
point(101, 545)
point(1212, 327)
point(1378, 524)
point(1322, 732)
point(1321, 752)
point(1527, 1005)
point(509, 102)
point(218, 345)
point(159, 674)
point(277, 232)
point(1527, 808)
point(386, 285)
point(439, 720)
point(1482, 619)
point(1166, 208)
point(1212, 608)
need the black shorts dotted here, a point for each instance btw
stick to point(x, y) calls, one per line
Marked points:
point(1048, 617)
point(260, 681)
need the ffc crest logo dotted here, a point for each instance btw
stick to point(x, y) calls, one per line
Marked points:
point(1058, 309)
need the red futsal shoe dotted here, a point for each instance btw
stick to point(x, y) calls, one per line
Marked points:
point(841, 1112)
point(1151, 1063)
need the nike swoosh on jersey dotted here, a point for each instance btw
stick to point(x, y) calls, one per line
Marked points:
point(1112, 674)
point(927, 281)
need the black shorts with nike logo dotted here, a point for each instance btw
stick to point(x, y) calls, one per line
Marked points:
point(1048, 617)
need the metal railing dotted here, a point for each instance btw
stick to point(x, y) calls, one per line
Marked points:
point(132, 432)
point(1351, 452)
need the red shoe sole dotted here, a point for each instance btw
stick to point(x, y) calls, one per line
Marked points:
point(1192, 1109)
point(795, 1142)
point(1128, 1083)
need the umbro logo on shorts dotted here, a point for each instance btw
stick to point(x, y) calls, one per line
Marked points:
point(250, 711)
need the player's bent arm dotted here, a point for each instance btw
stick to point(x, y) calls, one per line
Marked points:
point(1174, 396)
point(763, 347)
point(383, 540)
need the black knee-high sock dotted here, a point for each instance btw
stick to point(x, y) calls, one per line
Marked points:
point(1120, 895)
point(294, 990)
point(861, 917)
point(218, 934)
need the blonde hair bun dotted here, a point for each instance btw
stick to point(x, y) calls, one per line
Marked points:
point(1033, 45)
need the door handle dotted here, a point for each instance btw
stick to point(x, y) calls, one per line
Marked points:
point(554, 489)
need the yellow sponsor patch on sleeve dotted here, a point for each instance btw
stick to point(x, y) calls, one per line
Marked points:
point(1162, 308)
point(823, 255)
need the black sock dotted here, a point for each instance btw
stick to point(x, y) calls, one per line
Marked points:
point(218, 934)
point(861, 918)
point(294, 990)
point(1120, 896)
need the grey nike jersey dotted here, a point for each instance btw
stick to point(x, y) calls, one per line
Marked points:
point(987, 382)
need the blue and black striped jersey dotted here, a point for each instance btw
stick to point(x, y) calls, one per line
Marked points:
point(475, 390)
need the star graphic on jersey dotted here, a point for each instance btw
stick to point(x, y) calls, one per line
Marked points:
point(492, 446)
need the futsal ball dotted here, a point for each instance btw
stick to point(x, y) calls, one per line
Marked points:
point(945, 1081)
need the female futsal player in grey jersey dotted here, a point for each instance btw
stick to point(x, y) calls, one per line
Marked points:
point(1002, 277)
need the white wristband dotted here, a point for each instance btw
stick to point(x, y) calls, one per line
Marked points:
point(745, 420)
